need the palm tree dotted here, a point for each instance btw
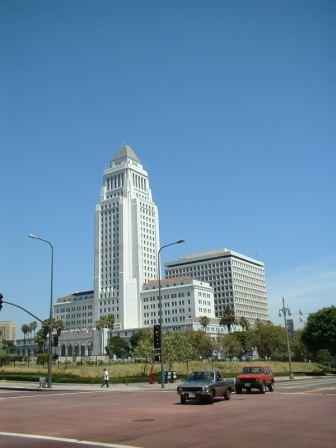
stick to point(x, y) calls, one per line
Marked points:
point(33, 327)
point(109, 322)
point(204, 321)
point(100, 325)
point(244, 323)
point(58, 325)
point(40, 339)
point(227, 318)
point(25, 330)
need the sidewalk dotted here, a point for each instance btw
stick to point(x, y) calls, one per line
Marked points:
point(132, 387)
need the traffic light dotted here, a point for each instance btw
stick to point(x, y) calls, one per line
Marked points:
point(55, 340)
point(1, 301)
point(157, 336)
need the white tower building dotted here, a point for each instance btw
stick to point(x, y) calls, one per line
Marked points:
point(126, 239)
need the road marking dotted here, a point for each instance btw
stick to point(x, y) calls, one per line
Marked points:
point(48, 395)
point(304, 384)
point(304, 393)
point(64, 439)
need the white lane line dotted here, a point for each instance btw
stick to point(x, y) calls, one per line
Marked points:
point(64, 439)
point(304, 393)
point(46, 395)
point(303, 385)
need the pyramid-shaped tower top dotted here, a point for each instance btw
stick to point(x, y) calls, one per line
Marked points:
point(125, 152)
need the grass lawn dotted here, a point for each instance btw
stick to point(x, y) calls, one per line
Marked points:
point(119, 372)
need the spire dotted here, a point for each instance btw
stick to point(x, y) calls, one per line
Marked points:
point(125, 152)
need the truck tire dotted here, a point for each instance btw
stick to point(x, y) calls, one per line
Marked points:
point(238, 390)
point(262, 388)
point(227, 393)
point(271, 387)
point(183, 399)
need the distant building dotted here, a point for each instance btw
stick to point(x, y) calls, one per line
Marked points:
point(183, 299)
point(8, 330)
point(26, 346)
point(76, 310)
point(238, 280)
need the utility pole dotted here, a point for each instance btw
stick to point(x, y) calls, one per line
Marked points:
point(284, 312)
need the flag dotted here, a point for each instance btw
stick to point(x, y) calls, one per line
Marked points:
point(300, 312)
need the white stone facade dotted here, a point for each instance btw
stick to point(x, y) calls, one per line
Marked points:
point(126, 239)
point(183, 299)
point(238, 280)
point(77, 310)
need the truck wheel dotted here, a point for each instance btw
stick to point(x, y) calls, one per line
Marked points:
point(238, 390)
point(227, 394)
point(183, 399)
point(262, 388)
point(248, 390)
point(271, 387)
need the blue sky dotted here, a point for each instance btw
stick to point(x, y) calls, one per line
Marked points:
point(230, 105)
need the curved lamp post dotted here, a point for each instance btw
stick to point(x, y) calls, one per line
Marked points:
point(51, 305)
point(160, 306)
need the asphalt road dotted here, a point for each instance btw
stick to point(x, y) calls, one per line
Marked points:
point(299, 414)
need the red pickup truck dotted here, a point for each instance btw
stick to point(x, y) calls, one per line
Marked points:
point(255, 378)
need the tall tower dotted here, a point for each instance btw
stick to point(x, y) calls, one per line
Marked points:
point(126, 239)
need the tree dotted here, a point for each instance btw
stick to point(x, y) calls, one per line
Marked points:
point(202, 343)
point(135, 338)
point(117, 346)
point(170, 348)
point(184, 347)
point(246, 341)
point(7, 347)
point(320, 331)
point(25, 330)
point(100, 325)
point(33, 325)
point(42, 335)
point(109, 322)
point(269, 340)
point(204, 321)
point(106, 321)
point(227, 318)
point(244, 323)
point(144, 350)
point(230, 345)
point(299, 350)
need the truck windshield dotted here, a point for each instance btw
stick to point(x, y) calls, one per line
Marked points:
point(252, 370)
point(201, 376)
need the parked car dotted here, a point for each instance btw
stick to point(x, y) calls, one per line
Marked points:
point(205, 386)
point(256, 377)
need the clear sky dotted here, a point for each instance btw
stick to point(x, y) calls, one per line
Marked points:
point(229, 104)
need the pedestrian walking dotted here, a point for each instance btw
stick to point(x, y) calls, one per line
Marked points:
point(105, 379)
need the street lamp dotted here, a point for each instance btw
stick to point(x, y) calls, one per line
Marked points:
point(51, 306)
point(160, 306)
point(286, 311)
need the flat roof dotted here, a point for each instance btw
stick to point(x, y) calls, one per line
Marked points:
point(213, 255)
